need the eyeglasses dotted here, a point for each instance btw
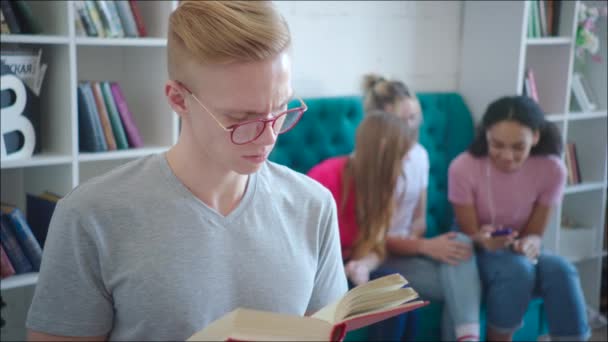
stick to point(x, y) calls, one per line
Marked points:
point(246, 132)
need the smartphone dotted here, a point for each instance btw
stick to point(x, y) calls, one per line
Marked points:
point(502, 232)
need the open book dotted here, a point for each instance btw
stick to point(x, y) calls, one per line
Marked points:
point(366, 304)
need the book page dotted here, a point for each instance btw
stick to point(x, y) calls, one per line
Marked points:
point(328, 313)
point(254, 325)
point(380, 301)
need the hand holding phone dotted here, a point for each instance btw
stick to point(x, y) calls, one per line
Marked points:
point(502, 232)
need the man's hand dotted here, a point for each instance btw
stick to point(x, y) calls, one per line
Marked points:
point(445, 249)
point(485, 239)
point(529, 246)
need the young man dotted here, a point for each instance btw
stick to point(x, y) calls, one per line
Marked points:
point(159, 248)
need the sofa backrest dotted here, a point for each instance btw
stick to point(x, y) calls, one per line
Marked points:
point(328, 129)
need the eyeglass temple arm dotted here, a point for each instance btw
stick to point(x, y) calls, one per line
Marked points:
point(205, 108)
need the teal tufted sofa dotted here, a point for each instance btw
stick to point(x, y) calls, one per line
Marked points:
point(328, 129)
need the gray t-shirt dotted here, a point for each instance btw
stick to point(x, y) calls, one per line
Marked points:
point(135, 255)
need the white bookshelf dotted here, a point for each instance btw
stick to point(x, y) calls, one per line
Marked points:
point(138, 64)
point(495, 54)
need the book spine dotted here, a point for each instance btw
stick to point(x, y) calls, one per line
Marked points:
point(95, 17)
point(568, 161)
point(39, 213)
point(6, 268)
point(25, 237)
point(110, 18)
point(9, 15)
point(543, 18)
point(26, 18)
point(4, 29)
point(90, 132)
point(533, 87)
point(12, 248)
point(117, 128)
point(133, 134)
point(577, 170)
point(126, 16)
point(139, 20)
point(103, 116)
point(579, 93)
point(85, 17)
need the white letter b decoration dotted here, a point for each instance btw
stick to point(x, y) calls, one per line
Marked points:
point(12, 120)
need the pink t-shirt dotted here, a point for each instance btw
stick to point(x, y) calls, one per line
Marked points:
point(502, 198)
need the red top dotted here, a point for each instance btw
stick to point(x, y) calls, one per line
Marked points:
point(329, 173)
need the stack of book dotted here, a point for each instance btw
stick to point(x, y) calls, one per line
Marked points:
point(16, 17)
point(111, 19)
point(543, 18)
point(583, 93)
point(572, 166)
point(105, 122)
point(21, 239)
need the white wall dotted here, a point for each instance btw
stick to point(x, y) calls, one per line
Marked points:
point(336, 42)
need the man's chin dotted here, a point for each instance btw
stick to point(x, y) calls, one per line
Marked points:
point(248, 169)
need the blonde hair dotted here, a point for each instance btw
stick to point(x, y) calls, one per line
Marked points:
point(380, 92)
point(382, 139)
point(222, 32)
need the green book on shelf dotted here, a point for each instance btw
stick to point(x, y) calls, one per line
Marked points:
point(26, 18)
point(117, 129)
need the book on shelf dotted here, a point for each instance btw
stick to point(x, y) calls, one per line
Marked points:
point(39, 211)
point(90, 134)
point(105, 121)
point(19, 17)
point(4, 29)
point(572, 165)
point(11, 246)
point(108, 18)
point(23, 233)
point(6, 268)
point(533, 90)
point(103, 116)
point(363, 305)
point(543, 18)
point(582, 93)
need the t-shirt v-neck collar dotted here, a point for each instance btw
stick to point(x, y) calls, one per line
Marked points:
point(209, 212)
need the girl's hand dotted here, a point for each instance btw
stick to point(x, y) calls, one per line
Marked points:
point(485, 239)
point(357, 271)
point(529, 246)
point(445, 249)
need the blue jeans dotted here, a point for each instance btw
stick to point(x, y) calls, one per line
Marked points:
point(458, 287)
point(510, 281)
point(398, 328)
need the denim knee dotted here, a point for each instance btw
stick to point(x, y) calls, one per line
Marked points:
point(556, 268)
point(509, 280)
point(464, 238)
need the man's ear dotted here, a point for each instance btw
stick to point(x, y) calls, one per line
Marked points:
point(176, 96)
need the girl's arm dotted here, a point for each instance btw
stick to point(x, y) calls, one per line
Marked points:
point(538, 220)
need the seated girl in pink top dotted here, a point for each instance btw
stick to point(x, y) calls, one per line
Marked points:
point(380, 193)
point(509, 180)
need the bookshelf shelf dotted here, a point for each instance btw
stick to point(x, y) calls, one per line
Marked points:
point(38, 160)
point(153, 42)
point(34, 39)
point(122, 154)
point(584, 187)
point(19, 280)
point(549, 41)
point(496, 67)
point(573, 116)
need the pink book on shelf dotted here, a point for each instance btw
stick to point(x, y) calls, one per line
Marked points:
point(7, 269)
point(125, 115)
point(533, 89)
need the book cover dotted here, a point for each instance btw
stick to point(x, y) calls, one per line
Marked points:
point(3, 24)
point(95, 16)
point(117, 128)
point(110, 19)
point(103, 116)
point(90, 133)
point(9, 15)
point(85, 18)
point(543, 17)
point(139, 19)
point(549, 4)
point(27, 241)
point(533, 88)
point(39, 211)
point(575, 164)
point(126, 17)
point(12, 248)
point(6, 268)
point(27, 20)
point(366, 304)
point(133, 135)
point(568, 162)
